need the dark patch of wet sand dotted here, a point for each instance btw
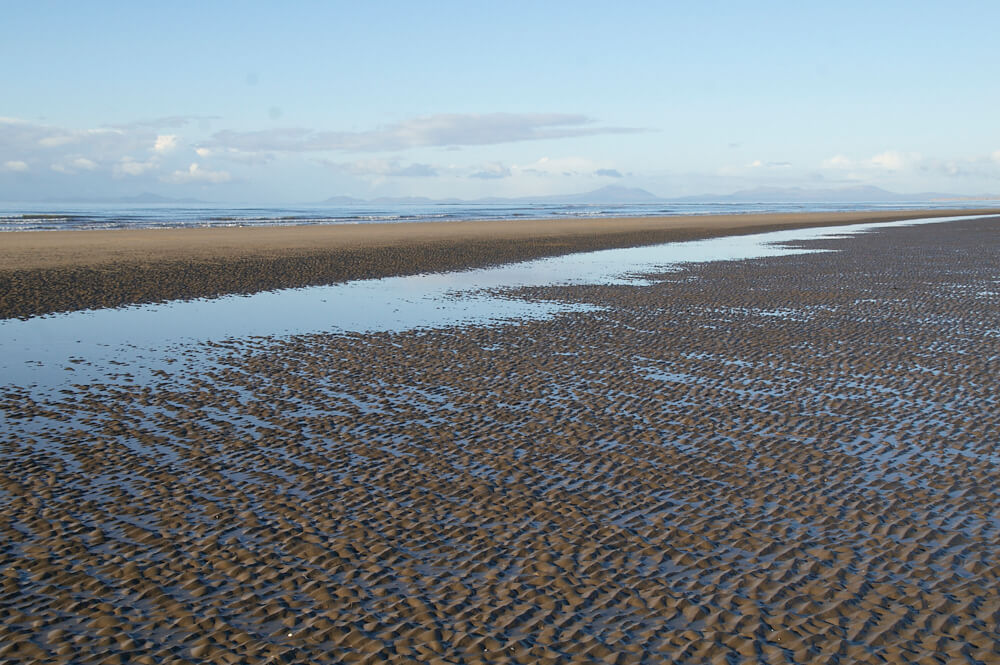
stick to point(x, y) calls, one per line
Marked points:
point(55, 271)
point(790, 459)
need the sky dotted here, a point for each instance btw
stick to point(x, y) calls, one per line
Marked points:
point(254, 102)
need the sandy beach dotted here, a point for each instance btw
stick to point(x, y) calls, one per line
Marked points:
point(780, 460)
point(42, 272)
point(338, 333)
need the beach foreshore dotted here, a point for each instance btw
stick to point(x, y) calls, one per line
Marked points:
point(790, 459)
point(53, 271)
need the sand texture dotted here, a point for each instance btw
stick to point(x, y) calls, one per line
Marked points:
point(783, 460)
point(42, 272)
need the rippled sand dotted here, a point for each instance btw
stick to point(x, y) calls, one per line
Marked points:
point(789, 459)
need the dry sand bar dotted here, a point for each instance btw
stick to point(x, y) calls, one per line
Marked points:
point(782, 460)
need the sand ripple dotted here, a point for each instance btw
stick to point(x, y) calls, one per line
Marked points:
point(788, 460)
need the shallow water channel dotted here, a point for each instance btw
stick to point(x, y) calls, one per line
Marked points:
point(126, 344)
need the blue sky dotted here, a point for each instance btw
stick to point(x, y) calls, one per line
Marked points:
point(252, 102)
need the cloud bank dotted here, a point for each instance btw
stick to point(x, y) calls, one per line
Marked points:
point(440, 130)
point(38, 159)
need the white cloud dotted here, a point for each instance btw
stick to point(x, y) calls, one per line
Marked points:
point(171, 121)
point(889, 160)
point(492, 171)
point(15, 165)
point(57, 137)
point(74, 165)
point(838, 162)
point(383, 167)
point(195, 173)
point(951, 167)
point(128, 166)
point(440, 130)
point(912, 170)
point(56, 141)
point(984, 167)
point(165, 143)
point(563, 166)
point(62, 147)
point(759, 164)
point(238, 156)
point(893, 160)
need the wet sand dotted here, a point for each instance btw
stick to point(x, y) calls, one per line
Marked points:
point(54, 271)
point(782, 460)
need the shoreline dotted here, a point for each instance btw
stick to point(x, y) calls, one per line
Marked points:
point(57, 271)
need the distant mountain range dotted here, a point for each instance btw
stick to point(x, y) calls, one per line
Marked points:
point(615, 194)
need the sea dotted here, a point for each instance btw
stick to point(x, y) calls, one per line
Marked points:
point(53, 217)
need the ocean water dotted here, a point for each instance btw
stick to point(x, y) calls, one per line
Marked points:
point(48, 217)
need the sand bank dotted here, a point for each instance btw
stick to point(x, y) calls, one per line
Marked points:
point(44, 272)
